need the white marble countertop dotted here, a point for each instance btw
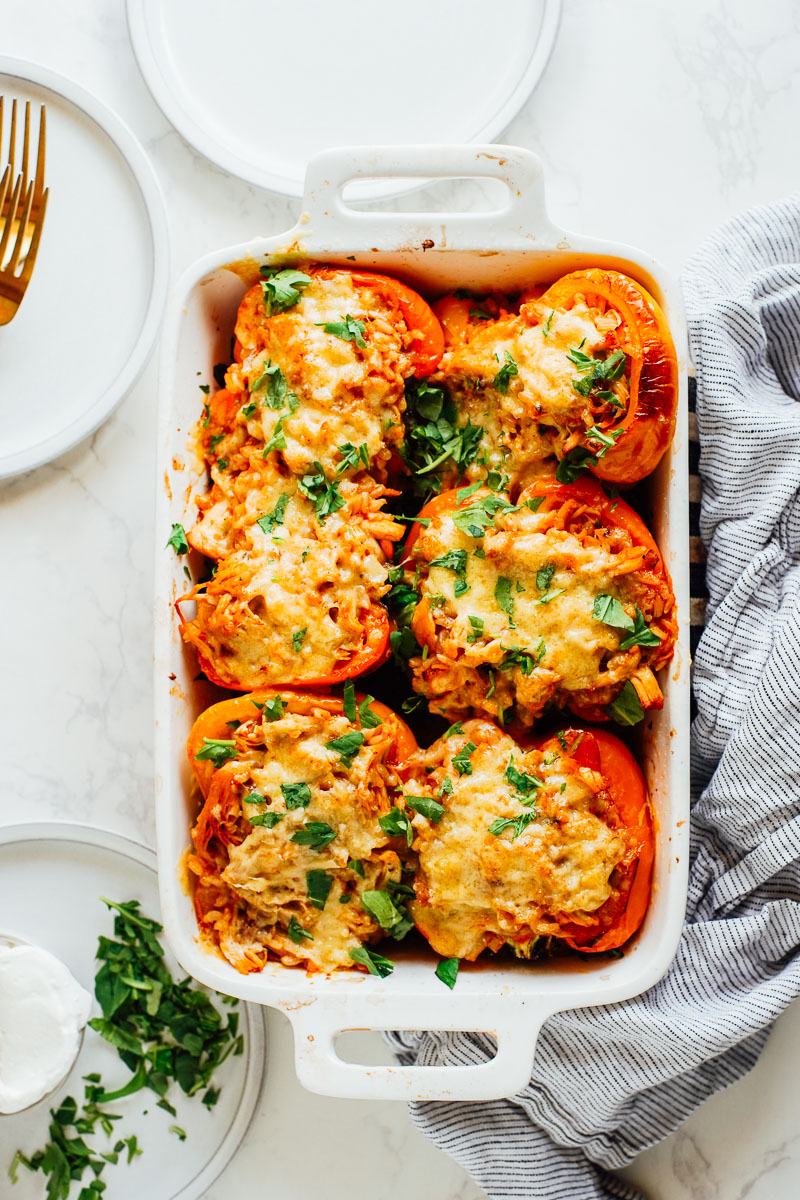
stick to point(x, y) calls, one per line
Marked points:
point(655, 122)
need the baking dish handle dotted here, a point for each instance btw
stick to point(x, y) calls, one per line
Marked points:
point(521, 223)
point(321, 1070)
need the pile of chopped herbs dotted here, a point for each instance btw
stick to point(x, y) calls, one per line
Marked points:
point(166, 1032)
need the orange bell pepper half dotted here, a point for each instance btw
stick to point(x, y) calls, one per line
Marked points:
point(372, 653)
point(213, 724)
point(420, 319)
point(620, 917)
point(648, 426)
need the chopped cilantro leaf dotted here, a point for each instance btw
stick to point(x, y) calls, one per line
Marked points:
point(517, 824)
point(461, 760)
point(447, 971)
point(348, 329)
point(432, 809)
point(397, 824)
point(480, 514)
point(627, 708)
point(268, 522)
point(453, 560)
point(393, 918)
point(453, 730)
point(548, 323)
point(349, 701)
point(296, 795)
point(323, 492)
point(217, 751)
point(318, 885)
point(298, 638)
point(544, 576)
point(506, 373)
point(274, 708)
point(297, 933)
point(642, 634)
point(476, 629)
point(347, 746)
point(505, 599)
point(352, 456)
point(375, 963)
point(177, 539)
point(268, 819)
point(282, 288)
point(314, 834)
point(609, 610)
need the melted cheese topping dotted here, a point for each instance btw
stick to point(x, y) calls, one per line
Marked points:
point(290, 602)
point(554, 625)
point(268, 871)
point(531, 420)
point(477, 889)
point(345, 393)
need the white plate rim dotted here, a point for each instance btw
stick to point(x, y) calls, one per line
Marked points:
point(144, 176)
point(108, 839)
point(216, 152)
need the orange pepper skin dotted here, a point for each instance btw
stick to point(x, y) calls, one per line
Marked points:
point(213, 723)
point(372, 654)
point(603, 752)
point(418, 315)
point(586, 490)
point(649, 424)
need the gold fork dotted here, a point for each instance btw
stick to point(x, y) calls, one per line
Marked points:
point(22, 208)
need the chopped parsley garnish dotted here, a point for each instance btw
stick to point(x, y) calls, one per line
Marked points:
point(204, 388)
point(627, 708)
point(447, 971)
point(411, 704)
point(216, 751)
point(476, 629)
point(478, 516)
point(314, 834)
point(550, 596)
point(278, 439)
point(163, 1031)
point(453, 730)
point(347, 746)
point(524, 784)
point(349, 701)
point(434, 436)
point(595, 373)
point(506, 373)
point(432, 809)
point(579, 458)
point(363, 713)
point(447, 786)
point(296, 795)
point(282, 288)
point(461, 760)
point(516, 823)
point(355, 864)
point(392, 917)
point(642, 634)
point(460, 587)
point(404, 646)
point(318, 884)
point(348, 329)
point(548, 323)
point(505, 599)
point(274, 708)
point(480, 314)
point(375, 963)
point(177, 539)
point(298, 638)
point(297, 933)
point(609, 610)
point(322, 491)
point(544, 576)
point(276, 389)
point(397, 824)
point(352, 456)
point(268, 819)
point(534, 503)
point(526, 660)
point(268, 522)
point(453, 560)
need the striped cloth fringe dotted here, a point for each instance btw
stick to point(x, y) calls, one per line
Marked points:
point(608, 1082)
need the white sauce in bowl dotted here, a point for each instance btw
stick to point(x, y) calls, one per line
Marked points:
point(42, 1012)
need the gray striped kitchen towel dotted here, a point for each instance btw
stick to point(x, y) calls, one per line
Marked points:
point(610, 1081)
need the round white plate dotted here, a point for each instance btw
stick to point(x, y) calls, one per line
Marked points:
point(260, 87)
point(92, 310)
point(51, 878)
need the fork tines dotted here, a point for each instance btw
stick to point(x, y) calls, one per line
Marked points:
point(22, 201)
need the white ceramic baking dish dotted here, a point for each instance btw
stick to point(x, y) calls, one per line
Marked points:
point(435, 252)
